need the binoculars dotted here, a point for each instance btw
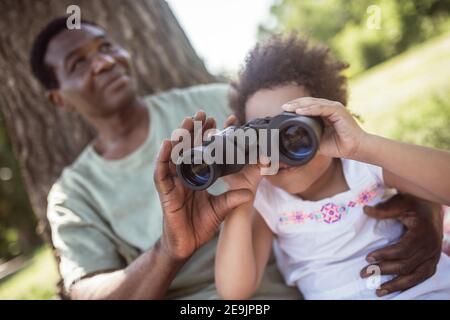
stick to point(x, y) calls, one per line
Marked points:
point(298, 141)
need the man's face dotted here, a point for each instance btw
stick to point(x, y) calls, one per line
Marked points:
point(93, 72)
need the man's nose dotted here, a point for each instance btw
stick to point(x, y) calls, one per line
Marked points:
point(102, 62)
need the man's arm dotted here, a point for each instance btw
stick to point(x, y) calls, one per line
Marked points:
point(190, 220)
point(148, 277)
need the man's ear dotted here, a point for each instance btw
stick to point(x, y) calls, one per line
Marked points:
point(57, 100)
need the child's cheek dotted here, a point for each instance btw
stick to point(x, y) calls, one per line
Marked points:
point(293, 182)
point(299, 180)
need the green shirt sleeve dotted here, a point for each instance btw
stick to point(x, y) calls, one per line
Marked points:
point(84, 247)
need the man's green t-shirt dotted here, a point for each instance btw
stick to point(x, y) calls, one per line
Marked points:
point(105, 213)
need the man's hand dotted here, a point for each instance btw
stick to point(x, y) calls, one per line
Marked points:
point(191, 218)
point(414, 258)
point(250, 176)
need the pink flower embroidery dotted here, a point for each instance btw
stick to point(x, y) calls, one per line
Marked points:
point(351, 204)
point(365, 196)
point(331, 213)
point(299, 217)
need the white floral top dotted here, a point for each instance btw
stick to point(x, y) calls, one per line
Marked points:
point(321, 246)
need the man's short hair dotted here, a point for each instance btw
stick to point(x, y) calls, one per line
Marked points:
point(41, 71)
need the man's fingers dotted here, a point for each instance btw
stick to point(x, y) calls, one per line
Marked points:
point(231, 120)
point(402, 283)
point(183, 132)
point(229, 200)
point(200, 116)
point(403, 249)
point(401, 267)
point(188, 122)
point(210, 123)
point(188, 125)
point(162, 174)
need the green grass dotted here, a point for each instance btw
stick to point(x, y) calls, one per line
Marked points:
point(408, 97)
point(36, 281)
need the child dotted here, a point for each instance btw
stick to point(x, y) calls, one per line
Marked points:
point(313, 214)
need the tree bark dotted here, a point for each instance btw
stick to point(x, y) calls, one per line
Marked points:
point(46, 140)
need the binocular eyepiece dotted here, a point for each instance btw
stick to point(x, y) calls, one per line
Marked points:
point(298, 141)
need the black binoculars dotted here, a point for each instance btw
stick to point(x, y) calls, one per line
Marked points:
point(298, 141)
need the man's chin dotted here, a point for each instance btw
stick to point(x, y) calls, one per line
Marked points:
point(121, 98)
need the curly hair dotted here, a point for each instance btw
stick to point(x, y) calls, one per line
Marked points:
point(282, 60)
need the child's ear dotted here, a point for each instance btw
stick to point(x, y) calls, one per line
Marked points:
point(57, 100)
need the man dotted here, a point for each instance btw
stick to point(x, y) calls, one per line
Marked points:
point(116, 238)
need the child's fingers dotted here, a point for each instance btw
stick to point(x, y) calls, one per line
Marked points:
point(318, 110)
point(309, 106)
point(305, 102)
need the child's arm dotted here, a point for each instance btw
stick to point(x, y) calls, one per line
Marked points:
point(244, 248)
point(423, 172)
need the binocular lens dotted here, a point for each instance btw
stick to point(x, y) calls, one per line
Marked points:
point(196, 174)
point(296, 142)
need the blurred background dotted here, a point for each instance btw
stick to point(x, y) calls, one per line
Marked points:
point(399, 56)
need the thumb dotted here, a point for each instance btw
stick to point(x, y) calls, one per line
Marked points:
point(381, 212)
point(229, 200)
point(395, 207)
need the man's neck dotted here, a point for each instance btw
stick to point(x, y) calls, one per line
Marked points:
point(120, 124)
point(122, 132)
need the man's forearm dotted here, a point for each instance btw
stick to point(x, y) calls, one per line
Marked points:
point(148, 277)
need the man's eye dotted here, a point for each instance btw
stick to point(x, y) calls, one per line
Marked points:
point(105, 47)
point(78, 64)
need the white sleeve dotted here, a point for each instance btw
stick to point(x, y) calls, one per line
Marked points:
point(377, 172)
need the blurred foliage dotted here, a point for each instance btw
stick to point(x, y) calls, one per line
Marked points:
point(17, 222)
point(429, 125)
point(366, 32)
point(36, 281)
point(408, 97)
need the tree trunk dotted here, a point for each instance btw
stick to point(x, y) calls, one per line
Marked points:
point(44, 139)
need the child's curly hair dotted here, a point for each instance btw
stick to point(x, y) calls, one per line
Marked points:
point(282, 60)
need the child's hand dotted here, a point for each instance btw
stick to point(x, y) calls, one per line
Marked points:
point(342, 136)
